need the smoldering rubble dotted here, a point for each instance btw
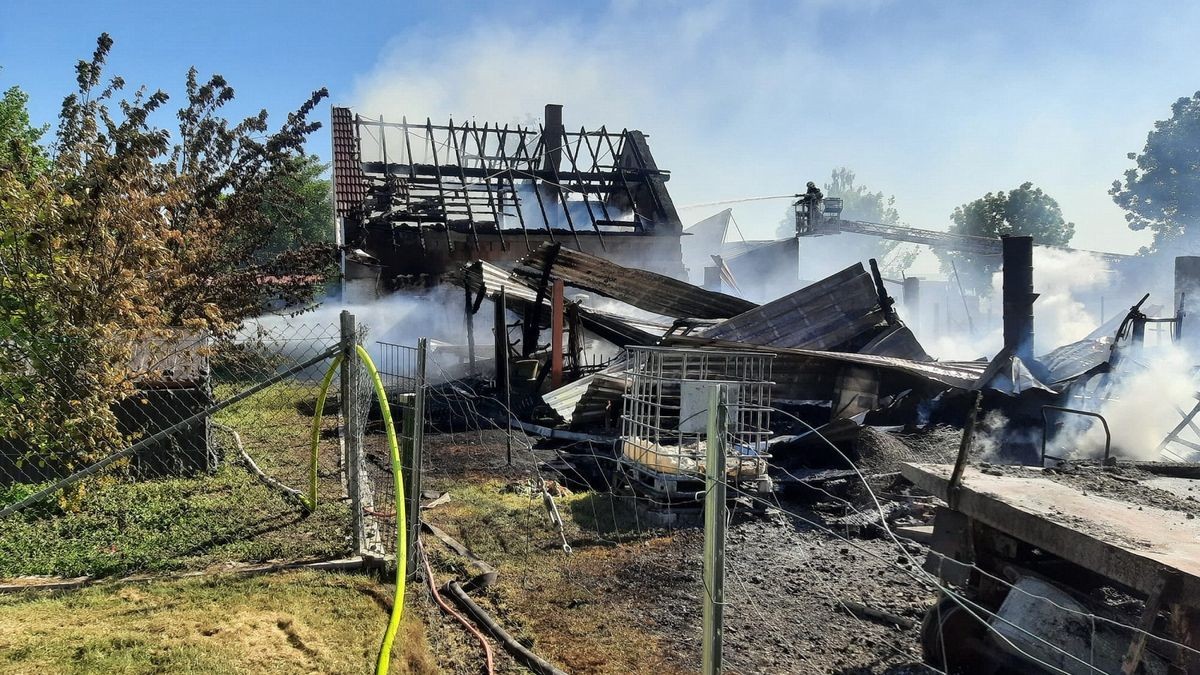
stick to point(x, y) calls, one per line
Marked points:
point(979, 444)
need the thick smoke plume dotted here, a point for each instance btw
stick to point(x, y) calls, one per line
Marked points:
point(1068, 284)
point(1146, 398)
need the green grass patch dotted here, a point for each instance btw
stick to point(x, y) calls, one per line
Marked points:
point(170, 524)
point(113, 525)
point(293, 622)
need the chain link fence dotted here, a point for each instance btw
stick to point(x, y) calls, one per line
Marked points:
point(589, 543)
point(181, 452)
point(401, 371)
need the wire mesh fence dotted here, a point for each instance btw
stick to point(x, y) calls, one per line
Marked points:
point(556, 533)
point(401, 371)
point(820, 571)
point(194, 450)
point(557, 545)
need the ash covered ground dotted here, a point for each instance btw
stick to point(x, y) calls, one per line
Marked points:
point(802, 596)
point(789, 589)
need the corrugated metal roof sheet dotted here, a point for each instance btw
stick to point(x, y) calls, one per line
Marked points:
point(1078, 358)
point(1008, 374)
point(824, 315)
point(642, 289)
point(896, 341)
point(482, 275)
point(588, 399)
point(620, 330)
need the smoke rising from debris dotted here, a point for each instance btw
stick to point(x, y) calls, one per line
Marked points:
point(399, 318)
point(1146, 397)
point(1063, 279)
point(1069, 285)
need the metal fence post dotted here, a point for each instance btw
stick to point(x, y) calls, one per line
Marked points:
point(350, 417)
point(714, 533)
point(414, 430)
point(500, 328)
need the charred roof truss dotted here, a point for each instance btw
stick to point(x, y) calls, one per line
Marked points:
point(505, 181)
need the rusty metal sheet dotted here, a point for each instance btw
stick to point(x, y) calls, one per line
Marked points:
point(824, 315)
point(642, 289)
point(619, 330)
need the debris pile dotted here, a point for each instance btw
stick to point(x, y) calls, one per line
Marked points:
point(834, 411)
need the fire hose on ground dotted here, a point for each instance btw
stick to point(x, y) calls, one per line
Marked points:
point(488, 574)
point(383, 661)
point(486, 577)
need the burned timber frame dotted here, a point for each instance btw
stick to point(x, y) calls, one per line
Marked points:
point(415, 200)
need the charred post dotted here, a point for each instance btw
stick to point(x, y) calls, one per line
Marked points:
point(552, 138)
point(1187, 290)
point(556, 333)
point(500, 331)
point(912, 300)
point(1018, 296)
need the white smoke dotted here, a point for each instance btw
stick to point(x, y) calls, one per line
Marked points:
point(1149, 393)
point(399, 318)
point(988, 442)
point(711, 88)
point(1061, 278)
point(1066, 283)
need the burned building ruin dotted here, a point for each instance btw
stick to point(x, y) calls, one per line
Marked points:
point(416, 200)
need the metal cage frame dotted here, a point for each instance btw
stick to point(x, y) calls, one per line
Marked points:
point(664, 433)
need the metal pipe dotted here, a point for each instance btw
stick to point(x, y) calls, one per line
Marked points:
point(1088, 413)
point(1018, 296)
point(713, 615)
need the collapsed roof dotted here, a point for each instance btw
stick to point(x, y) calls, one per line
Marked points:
point(419, 198)
point(645, 290)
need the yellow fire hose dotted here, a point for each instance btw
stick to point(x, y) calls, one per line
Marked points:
point(310, 500)
point(385, 650)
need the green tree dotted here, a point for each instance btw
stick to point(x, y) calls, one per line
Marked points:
point(18, 138)
point(858, 203)
point(1161, 192)
point(1025, 210)
point(302, 214)
point(130, 233)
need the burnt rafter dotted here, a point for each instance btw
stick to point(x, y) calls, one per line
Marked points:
point(472, 178)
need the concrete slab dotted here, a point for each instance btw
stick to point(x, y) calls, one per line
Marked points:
point(1127, 543)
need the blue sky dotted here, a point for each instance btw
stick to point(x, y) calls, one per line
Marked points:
point(935, 102)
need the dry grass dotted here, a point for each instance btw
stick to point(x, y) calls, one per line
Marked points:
point(294, 622)
point(571, 610)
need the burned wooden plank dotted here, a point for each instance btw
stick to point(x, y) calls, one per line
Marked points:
point(643, 289)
